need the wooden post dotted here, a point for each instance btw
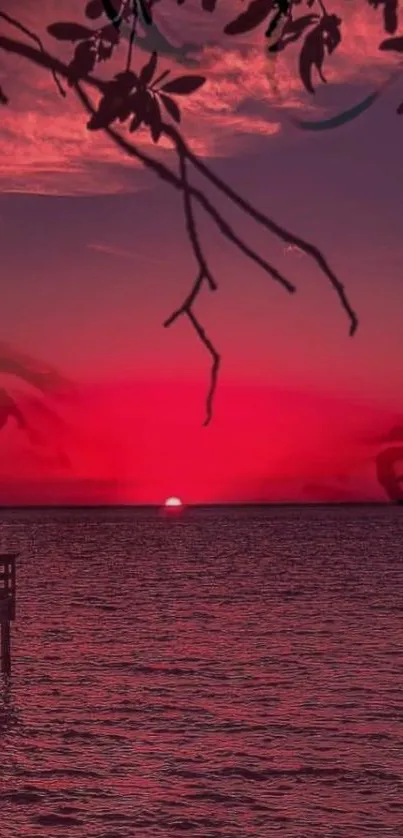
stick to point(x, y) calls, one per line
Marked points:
point(6, 648)
point(7, 608)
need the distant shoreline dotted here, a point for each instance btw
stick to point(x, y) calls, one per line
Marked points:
point(266, 505)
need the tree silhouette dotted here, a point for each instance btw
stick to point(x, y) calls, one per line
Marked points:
point(30, 413)
point(389, 463)
point(147, 98)
point(389, 479)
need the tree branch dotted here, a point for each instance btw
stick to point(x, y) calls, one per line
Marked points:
point(50, 63)
point(186, 309)
point(25, 31)
point(167, 175)
point(191, 226)
point(214, 369)
point(276, 229)
point(190, 193)
point(204, 274)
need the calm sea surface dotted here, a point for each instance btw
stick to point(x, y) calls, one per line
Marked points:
point(221, 674)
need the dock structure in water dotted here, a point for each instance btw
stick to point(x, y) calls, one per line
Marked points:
point(7, 607)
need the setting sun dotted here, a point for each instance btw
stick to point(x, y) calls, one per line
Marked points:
point(173, 502)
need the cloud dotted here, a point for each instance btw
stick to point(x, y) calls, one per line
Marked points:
point(47, 149)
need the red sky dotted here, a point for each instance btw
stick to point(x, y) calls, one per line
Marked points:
point(95, 257)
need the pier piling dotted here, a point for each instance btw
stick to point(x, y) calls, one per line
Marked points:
point(7, 608)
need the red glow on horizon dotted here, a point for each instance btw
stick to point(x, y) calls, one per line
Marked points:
point(130, 443)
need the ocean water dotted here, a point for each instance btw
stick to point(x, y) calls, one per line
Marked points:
point(224, 673)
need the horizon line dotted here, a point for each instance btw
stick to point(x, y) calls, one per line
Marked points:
point(216, 505)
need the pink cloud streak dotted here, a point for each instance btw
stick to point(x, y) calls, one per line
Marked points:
point(47, 149)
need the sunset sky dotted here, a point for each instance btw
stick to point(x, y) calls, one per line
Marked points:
point(95, 257)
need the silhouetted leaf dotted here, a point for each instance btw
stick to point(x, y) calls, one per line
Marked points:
point(390, 15)
point(325, 35)
point(148, 70)
point(300, 24)
point(104, 51)
point(153, 118)
point(3, 97)
point(209, 5)
point(293, 30)
point(255, 14)
point(125, 111)
point(139, 103)
point(113, 11)
point(105, 115)
point(69, 31)
point(110, 33)
point(94, 9)
point(118, 101)
point(83, 62)
point(126, 80)
point(400, 109)
point(171, 107)
point(330, 26)
point(130, 105)
point(135, 123)
point(280, 17)
point(272, 27)
point(145, 12)
point(183, 85)
point(392, 44)
point(311, 55)
point(390, 10)
point(161, 77)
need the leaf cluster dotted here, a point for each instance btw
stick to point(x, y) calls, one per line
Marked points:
point(129, 95)
point(319, 30)
point(136, 97)
point(288, 21)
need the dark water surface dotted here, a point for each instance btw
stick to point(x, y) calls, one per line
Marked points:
point(221, 674)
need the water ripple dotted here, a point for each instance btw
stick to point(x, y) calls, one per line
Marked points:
point(224, 675)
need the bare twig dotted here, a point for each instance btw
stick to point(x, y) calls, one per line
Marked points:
point(281, 232)
point(187, 304)
point(322, 8)
point(186, 308)
point(36, 40)
point(191, 227)
point(132, 35)
point(204, 274)
point(214, 369)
